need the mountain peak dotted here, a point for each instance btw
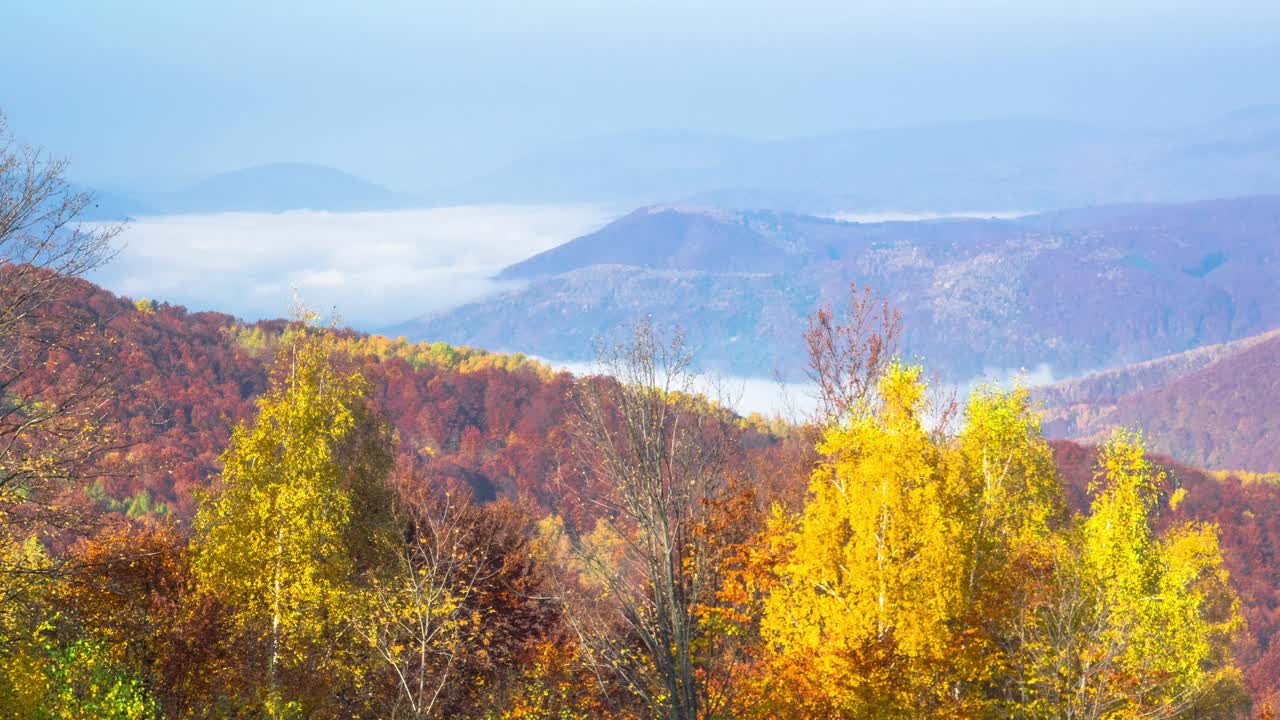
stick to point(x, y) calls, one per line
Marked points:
point(671, 237)
point(280, 186)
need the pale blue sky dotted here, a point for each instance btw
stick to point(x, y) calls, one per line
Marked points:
point(421, 94)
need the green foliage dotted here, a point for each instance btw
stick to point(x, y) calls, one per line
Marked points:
point(48, 671)
point(140, 504)
point(253, 340)
point(85, 683)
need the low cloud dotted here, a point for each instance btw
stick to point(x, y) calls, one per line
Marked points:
point(1005, 378)
point(746, 395)
point(375, 268)
point(798, 401)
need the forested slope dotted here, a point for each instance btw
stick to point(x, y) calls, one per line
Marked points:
point(499, 425)
point(1213, 407)
point(495, 423)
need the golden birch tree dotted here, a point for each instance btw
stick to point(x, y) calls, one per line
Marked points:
point(301, 503)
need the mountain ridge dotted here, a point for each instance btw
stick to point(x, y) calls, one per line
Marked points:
point(1011, 164)
point(1212, 407)
point(270, 187)
point(1078, 290)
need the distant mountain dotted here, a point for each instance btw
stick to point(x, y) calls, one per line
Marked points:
point(670, 238)
point(276, 188)
point(997, 165)
point(110, 206)
point(626, 168)
point(1076, 290)
point(1214, 406)
point(742, 322)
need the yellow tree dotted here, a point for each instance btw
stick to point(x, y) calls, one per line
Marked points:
point(1006, 486)
point(1167, 625)
point(874, 578)
point(1126, 623)
point(909, 555)
point(1005, 502)
point(301, 505)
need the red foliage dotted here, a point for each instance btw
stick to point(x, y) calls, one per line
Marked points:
point(1212, 407)
point(183, 383)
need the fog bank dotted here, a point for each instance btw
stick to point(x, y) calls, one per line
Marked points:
point(375, 269)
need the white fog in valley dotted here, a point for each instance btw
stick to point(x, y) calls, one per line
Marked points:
point(375, 269)
point(795, 401)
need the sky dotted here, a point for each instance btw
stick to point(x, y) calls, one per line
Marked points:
point(421, 95)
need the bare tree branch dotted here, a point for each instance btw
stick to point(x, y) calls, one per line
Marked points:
point(56, 370)
point(659, 450)
point(849, 353)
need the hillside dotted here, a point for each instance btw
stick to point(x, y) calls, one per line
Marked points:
point(1076, 290)
point(494, 423)
point(189, 377)
point(497, 424)
point(670, 238)
point(1212, 407)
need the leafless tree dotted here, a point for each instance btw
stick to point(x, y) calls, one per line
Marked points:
point(454, 596)
point(849, 353)
point(659, 450)
point(414, 618)
point(54, 362)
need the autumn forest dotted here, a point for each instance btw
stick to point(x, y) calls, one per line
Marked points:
point(202, 517)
